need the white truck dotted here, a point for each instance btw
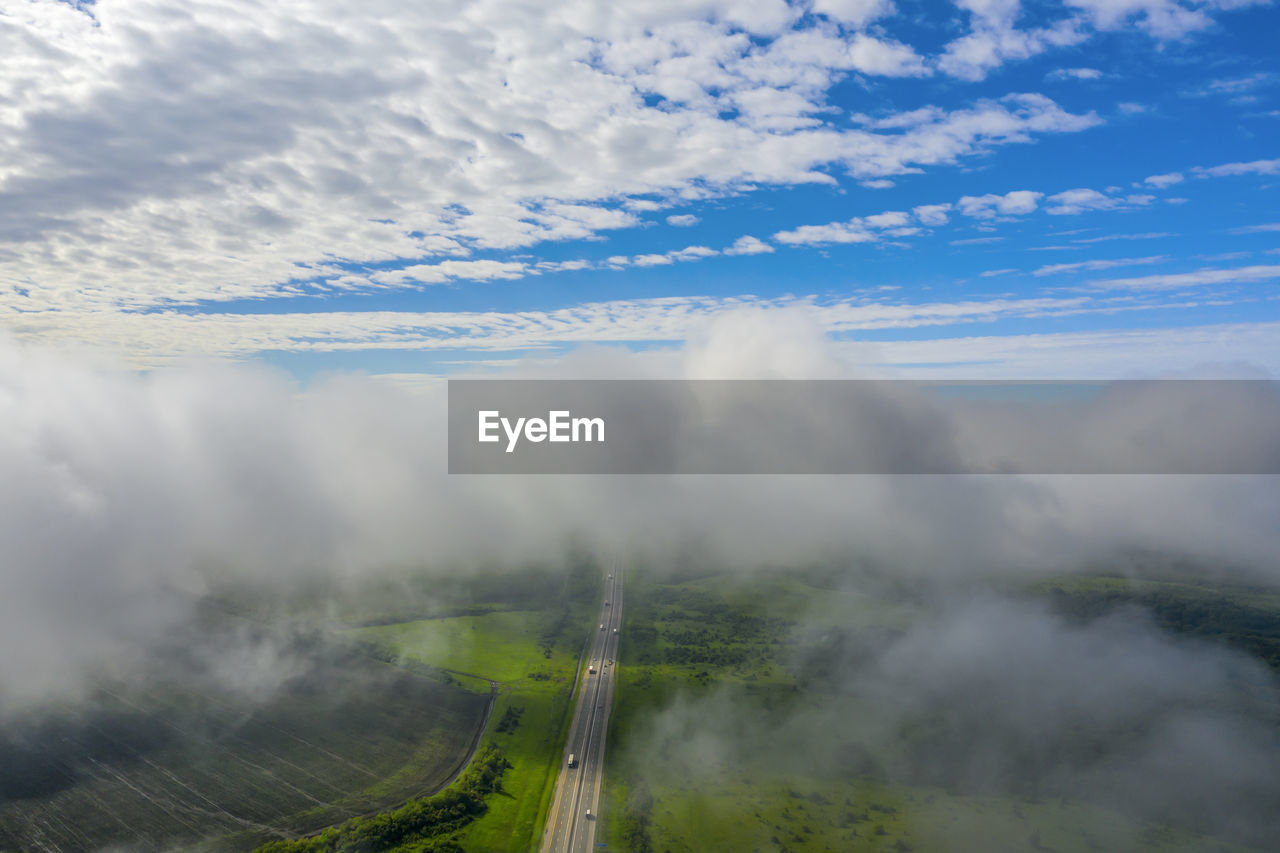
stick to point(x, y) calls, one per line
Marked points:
point(573, 760)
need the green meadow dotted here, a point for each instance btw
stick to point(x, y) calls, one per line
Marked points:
point(736, 650)
point(532, 655)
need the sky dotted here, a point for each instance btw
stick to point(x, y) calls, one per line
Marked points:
point(977, 188)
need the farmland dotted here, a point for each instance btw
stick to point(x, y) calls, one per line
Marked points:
point(173, 765)
point(371, 710)
point(532, 654)
point(800, 759)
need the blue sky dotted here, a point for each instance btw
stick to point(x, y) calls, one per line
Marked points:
point(986, 186)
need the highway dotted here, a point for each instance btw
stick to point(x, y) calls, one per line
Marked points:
point(569, 828)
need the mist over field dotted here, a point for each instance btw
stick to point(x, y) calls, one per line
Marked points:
point(995, 695)
point(130, 496)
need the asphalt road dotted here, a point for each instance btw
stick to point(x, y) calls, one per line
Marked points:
point(569, 829)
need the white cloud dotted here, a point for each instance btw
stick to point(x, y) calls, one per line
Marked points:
point(989, 206)
point(688, 253)
point(450, 271)
point(885, 58)
point(1110, 353)
point(1072, 202)
point(860, 229)
point(853, 231)
point(1239, 85)
point(1255, 167)
point(888, 219)
point(855, 13)
point(1164, 19)
point(932, 214)
point(994, 39)
point(652, 260)
point(748, 245)
point(1150, 235)
point(693, 253)
point(1075, 74)
point(1100, 264)
point(1193, 279)
point(153, 339)
point(1167, 180)
point(1256, 229)
point(271, 154)
point(683, 220)
point(976, 241)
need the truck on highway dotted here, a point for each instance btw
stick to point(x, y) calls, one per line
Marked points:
point(573, 760)
point(601, 626)
point(591, 669)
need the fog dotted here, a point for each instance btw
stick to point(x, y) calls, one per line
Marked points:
point(997, 695)
point(129, 496)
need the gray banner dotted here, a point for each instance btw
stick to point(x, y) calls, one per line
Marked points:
point(863, 427)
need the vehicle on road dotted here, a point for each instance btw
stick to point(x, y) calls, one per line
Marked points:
point(573, 760)
point(588, 814)
point(591, 669)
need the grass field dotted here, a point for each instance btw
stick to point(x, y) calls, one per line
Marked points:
point(816, 814)
point(533, 656)
point(739, 653)
point(1240, 616)
point(383, 715)
point(170, 766)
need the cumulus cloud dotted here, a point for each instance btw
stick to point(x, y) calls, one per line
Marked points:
point(1073, 202)
point(1162, 19)
point(932, 214)
point(748, 245)
point(989, 206)
point(1166, 180)
point(256, 156)
point(886, 58)
point(855, 13)
point(994, 39)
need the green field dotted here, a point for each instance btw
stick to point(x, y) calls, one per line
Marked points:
point(374, 718)
point(816, 814)
point(533, 657)
point(786, 764)
point(171, 765)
